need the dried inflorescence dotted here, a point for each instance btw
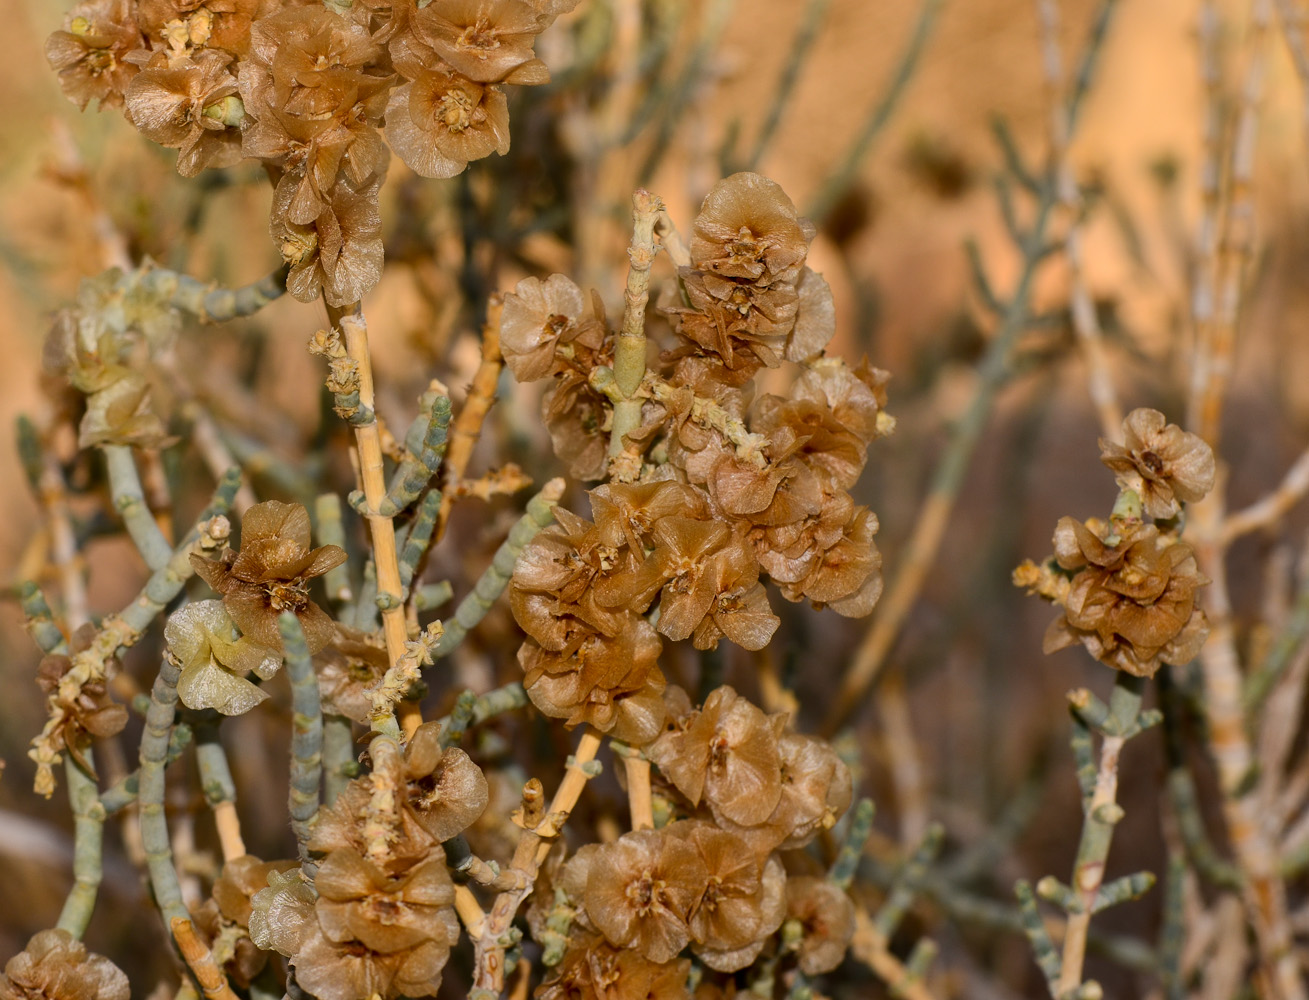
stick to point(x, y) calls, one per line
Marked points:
point(56, 966)
point(216, 659)
point(378, 917)
point(1164, 464)
point(310, 90)
point(92, 714)
point(741, 790)
point(727, 490)
point(1132, 603)
point(270, 574)
point(1129, 589)
point(225, 916)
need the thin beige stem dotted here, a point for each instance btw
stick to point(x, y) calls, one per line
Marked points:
point(1217, 311)
point(1086, 325)
point(533, 846)
point(1264, 892)
point(368, 442)
point(467, 426)
point(1267, 511)
point(871, 947)
point(469, 911)
point(639, 798)
point(229, 830)
point(201, 961)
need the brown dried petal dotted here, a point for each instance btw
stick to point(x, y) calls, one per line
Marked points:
point(57, 966)
point(748, 228)
point(447, 792)
point(485, 40)
point(89, 55)
point(1163, 463)
point(640, 890)
point(827, 916)
point(537, 316)
point(728, 755)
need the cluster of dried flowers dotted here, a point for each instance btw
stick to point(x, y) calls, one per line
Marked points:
point(309, 89)
point(741, 789)
point(56, 965)
point(714, 488)
point(102, 346)
point(377, 917)
point(1128, 588)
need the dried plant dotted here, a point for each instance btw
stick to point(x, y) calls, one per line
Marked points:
point(443, 833)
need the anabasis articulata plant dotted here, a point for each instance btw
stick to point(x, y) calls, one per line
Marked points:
point(709, 493)
point(679, 606)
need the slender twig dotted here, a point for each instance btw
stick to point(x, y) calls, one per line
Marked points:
point(838, 182)
point(306, 731)
point(1226, 253)
point(1268, 510)
point(129, 501)
point(218, 787)
point(200, 960)
point(1085, 322)
point(473, 608)
point(467, 426)
point(424, 450)
point(327, 516)
point(122, 793)
point(630, 347)
point(368, 442)
point(339, 763)
point(154, 824)
point(210, 304)
point(39, 619)
point(533, 846)
point(843, 869)
point(417, 539)
point(925, 540)
point(88, 847)
point(1102, 814)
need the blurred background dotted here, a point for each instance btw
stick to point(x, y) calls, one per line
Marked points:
point(967, 722)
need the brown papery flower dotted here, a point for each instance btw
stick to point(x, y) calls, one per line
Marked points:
point(271, 574)
point(592, 969)
point(407, 921)
point(735, 908)
point(315, 151)
point(1132, 604)
point(827, 918)
point(748, 228)
point(727, 755)
point(816, 791)
point(225, 917)
point(354, 662)
point(628, 512)
point(339, 254)
point(57, 966)
point(1163, 463)
point(89, 54)
point(310, 62)
point(538, 318)
point(92, 715)
point(182, 107)
point(358, 901)
point(640, 890)
point(441, 121)
point(486, 40)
